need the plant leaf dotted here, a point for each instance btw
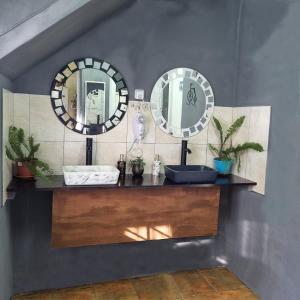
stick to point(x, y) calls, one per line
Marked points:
point(9, 154)
point(31, 141)
point(14, 151)
point(249, 146)
point(234, 127)
point(35, 171)
point(43, 166)
point(30, 146)
point(15, 141)
point(239, 163)
point(220, 129)
point(243, 147)
point(213, 149)
point(20, 133)
point(33, 148)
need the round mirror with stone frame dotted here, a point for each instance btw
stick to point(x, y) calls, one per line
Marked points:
point(182, 102)
point(89, 96)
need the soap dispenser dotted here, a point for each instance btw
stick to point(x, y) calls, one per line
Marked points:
point(122, 165)
point(156, 165)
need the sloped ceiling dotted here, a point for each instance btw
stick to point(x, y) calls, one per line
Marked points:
point(15, 12)
point(37, 35)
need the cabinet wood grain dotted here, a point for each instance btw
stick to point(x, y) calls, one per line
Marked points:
point(104, 216)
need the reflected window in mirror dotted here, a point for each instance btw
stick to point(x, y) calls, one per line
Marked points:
point(182, 102)
point(89, 96)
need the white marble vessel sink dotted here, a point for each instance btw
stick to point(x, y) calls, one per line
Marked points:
point(90, 175)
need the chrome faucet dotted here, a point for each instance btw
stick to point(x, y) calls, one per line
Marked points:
point(184, 151)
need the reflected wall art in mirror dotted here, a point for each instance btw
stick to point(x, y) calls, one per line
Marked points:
point(182, 102)
point(89, 96)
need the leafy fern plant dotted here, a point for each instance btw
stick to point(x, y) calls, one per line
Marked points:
point(232, 152)
point(24, 150)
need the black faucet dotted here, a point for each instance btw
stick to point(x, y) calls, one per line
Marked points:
point(184, 151)
point(89, 152)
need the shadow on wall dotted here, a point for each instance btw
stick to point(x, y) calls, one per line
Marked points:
point(175, 28)
point(247, 237)
point(263, 18)
point(259, 19)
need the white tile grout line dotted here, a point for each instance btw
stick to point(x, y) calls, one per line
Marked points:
point(94, 151)
point(248, 136)
point(63, 162)
point(207, 148)
point(29, 118)
point(13, 104)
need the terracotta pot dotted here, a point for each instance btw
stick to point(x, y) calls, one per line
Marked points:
point(23, 171)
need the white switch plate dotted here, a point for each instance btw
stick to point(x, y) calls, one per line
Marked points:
point(139, 94)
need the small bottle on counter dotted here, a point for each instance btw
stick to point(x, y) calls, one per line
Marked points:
point(122, 165)
point(156, 166)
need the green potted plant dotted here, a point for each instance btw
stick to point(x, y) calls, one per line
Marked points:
point(22, 151)
point(137, 166)
point(226, 156)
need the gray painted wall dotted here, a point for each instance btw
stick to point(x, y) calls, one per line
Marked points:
point(6, 269)
point(151, 37)
point(262, 233)
point(38, 266)
point(143, 42)
point(13, 12)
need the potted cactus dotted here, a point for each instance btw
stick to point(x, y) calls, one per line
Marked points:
point(226, 156)
point(22, 151)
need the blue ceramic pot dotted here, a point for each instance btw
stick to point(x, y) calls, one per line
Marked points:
point(223, 166)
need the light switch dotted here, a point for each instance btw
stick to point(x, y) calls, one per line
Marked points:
point(139, 94)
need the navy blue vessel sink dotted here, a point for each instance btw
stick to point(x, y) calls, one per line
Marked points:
point(190, 174)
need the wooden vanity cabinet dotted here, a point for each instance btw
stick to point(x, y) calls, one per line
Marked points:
point(134, 209)
point(93, 216)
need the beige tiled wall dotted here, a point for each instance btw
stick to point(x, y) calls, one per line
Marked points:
point(7, 121)
point(61, 146)
point(255, 129)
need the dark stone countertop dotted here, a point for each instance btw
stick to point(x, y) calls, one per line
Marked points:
point(146, 181)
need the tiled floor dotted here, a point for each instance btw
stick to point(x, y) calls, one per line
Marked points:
point(211, 284)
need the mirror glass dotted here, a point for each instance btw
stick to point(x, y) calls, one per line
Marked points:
point(89, 96)
point(182, 102)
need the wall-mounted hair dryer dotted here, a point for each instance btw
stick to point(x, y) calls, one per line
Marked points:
point(139, 126)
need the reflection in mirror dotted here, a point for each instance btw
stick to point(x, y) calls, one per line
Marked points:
point(89, 96)
point(182, 102)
